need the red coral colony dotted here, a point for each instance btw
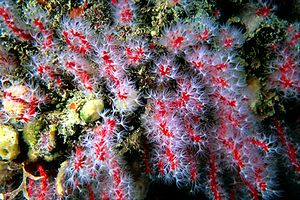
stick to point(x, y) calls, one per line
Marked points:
point(204, 105)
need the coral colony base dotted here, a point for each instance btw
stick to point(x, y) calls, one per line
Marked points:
point(99, 98)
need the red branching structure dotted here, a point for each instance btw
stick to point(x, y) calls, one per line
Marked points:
point(8, 19)
point(285, 68)
point(96, 159)
point(47, 72)
point(84, 45)
point(213, 179)
point(263, 11)
point(79, 71)
point(124, 12)
point(198, 129)
point(47, 34)
point(27, 101)
point(44, 186)
point(288, 146)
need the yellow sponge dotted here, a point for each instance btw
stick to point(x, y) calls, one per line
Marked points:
point(9, 143)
